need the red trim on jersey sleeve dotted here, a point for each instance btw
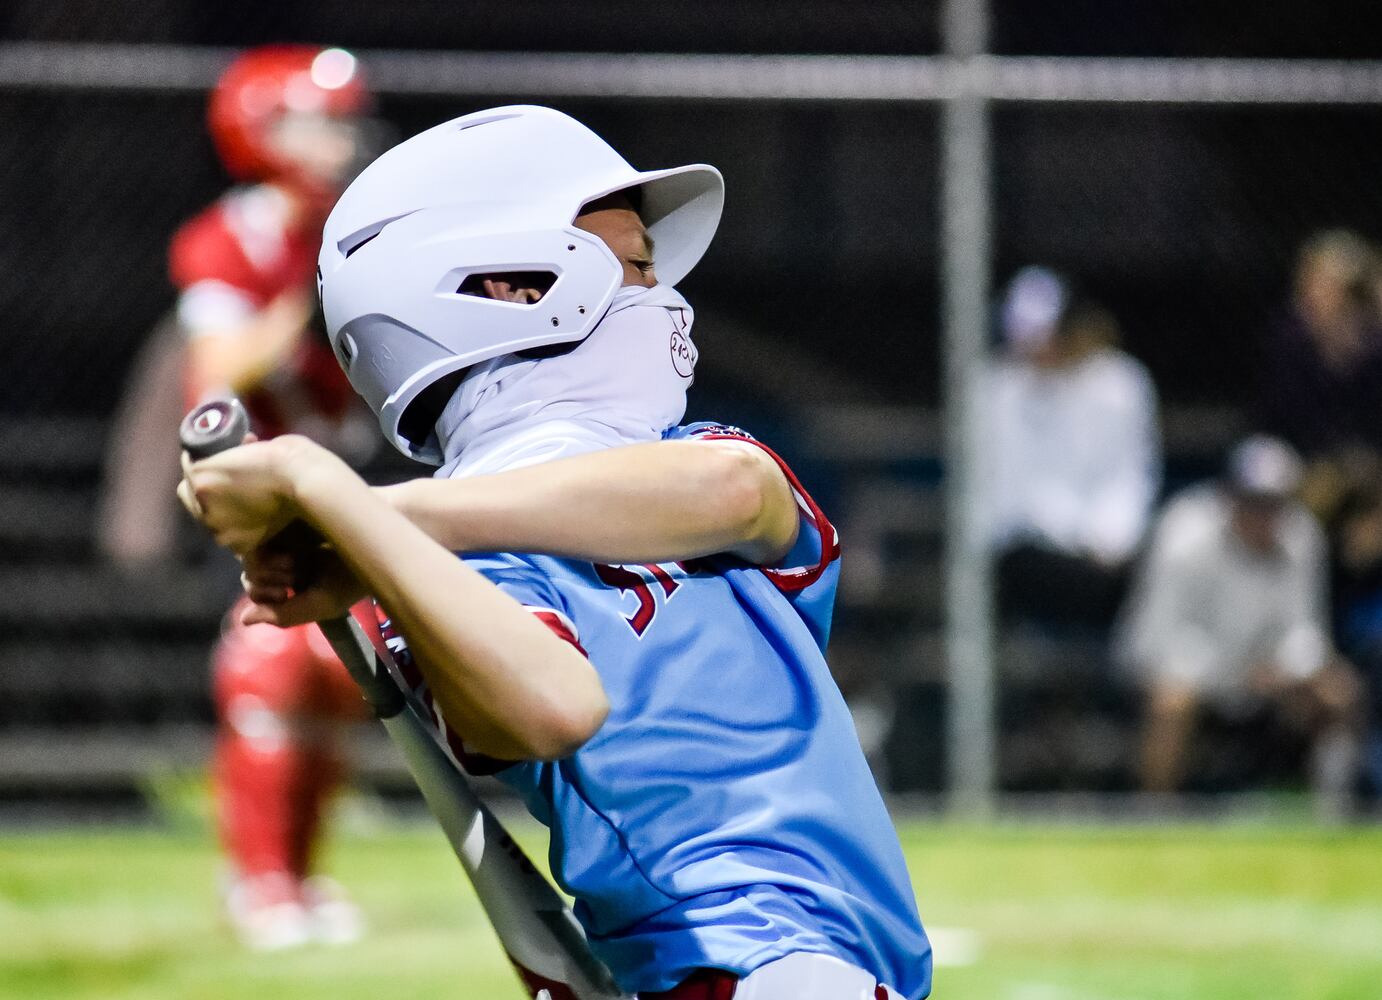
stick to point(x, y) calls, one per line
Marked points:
point(562, 627)
point(480, 764)
point(796, 578)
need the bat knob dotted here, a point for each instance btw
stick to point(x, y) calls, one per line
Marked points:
point(213, 427)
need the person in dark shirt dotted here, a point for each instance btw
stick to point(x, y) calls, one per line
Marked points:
point(1322, 382)
point(1357, 590)
point(1322, 375)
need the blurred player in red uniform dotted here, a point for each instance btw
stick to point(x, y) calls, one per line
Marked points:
point(288, 121)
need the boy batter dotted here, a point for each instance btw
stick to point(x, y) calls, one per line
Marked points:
point(632, 637)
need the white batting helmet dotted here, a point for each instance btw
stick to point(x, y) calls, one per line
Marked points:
point(491, 192)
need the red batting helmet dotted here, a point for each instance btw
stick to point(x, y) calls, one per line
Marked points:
point(265, 83)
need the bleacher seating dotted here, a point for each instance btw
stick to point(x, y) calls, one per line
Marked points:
point(103, 676)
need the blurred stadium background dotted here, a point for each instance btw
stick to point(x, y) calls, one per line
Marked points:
point(886, 178)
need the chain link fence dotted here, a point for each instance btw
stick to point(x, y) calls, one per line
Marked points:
point(818, 312)
point(1188, 224)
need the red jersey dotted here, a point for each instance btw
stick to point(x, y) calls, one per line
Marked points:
point(229, 262)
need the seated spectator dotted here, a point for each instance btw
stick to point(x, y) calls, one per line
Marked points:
point(1074, 456)
point(1229, 614)
point(1322, 373)
point(1357, 589)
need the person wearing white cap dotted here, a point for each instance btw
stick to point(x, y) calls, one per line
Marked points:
point(1230, 614)
point(1073, 459)
point(632, 636)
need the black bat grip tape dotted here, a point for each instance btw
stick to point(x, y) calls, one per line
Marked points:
point(213, 427)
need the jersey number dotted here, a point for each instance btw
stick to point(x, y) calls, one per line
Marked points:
point(626, 579)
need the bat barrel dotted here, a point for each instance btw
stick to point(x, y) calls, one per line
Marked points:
point(357, 653)
point(535, 927)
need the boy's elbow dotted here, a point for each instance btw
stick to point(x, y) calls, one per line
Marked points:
point(569, 716)
point(568, 728)
point(758, 504)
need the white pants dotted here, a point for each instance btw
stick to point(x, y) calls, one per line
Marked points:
point(807, 976)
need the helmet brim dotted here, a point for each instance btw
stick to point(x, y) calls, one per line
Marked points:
point(681, 207)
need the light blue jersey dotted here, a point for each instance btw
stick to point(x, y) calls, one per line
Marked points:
point(723, 816)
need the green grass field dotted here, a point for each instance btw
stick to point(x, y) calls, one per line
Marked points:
point(1059, 913)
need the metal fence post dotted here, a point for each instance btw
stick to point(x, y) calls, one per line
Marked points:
point(966, 213)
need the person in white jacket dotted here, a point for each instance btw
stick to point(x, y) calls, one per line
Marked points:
point(1074, 455)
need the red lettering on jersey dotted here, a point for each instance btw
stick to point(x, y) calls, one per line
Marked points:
point(669, 585)
point(627, 580)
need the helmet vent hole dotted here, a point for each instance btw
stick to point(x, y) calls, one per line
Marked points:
point(509, 286)
point(484, 121)
point(345, 348)
point(581, 310)
point(347, 245)
point(357, 246)
point(571, 246)
point(555, 321)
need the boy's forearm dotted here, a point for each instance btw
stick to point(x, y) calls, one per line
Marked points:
point(655, 502)
point(500, 677)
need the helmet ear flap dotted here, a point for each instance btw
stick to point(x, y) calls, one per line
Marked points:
point(418, 419)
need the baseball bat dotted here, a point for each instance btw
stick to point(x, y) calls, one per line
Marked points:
point(535, 927)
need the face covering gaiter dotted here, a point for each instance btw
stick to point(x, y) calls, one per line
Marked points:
point(624, 384)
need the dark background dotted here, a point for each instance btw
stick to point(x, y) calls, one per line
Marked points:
point(1184, 221)
point(821, 288)
point(1330, 29)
